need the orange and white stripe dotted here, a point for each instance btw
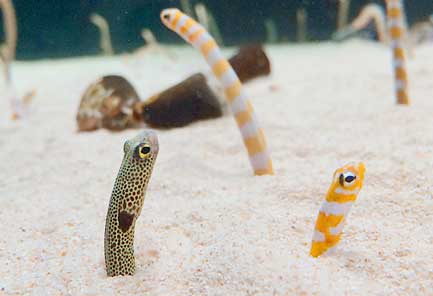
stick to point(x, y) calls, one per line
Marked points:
point(346, 184)
point(253, 136)
point(396, 27)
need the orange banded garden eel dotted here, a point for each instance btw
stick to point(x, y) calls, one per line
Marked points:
point(397, 31)
point(242, 108)
point(346, 184)
point(126, 202)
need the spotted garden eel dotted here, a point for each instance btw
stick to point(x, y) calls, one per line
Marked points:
point(346, 184)
point(126, 202)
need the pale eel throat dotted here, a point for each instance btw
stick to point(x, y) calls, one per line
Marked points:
point(346, 184)
point(242, 109)
point(126, 202)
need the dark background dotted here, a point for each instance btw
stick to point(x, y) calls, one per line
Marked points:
point(61, 28)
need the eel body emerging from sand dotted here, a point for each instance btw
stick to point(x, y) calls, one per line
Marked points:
point(396, 24)
point(372, 12)
point(104, 29)
point(126, 202)
point(346, 184)
point(242, 109)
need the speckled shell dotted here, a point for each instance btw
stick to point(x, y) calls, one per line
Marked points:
point(107, 103)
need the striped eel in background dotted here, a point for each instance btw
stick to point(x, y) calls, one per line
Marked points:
point(242, 109)
point(395, 13)
point(372, 12)
point(346, 184)
point(126, 202)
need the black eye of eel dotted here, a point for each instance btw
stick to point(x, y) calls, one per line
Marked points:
point(145, 149)
point(349, 179)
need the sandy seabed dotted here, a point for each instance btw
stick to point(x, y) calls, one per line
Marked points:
point(208, 227)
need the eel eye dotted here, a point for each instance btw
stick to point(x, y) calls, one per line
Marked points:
point(166, 16)
point(144, 151)
point(349, 179)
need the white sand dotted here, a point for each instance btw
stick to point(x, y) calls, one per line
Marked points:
point(208, 227)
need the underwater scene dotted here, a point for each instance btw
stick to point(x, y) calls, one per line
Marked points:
point(197, 147)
